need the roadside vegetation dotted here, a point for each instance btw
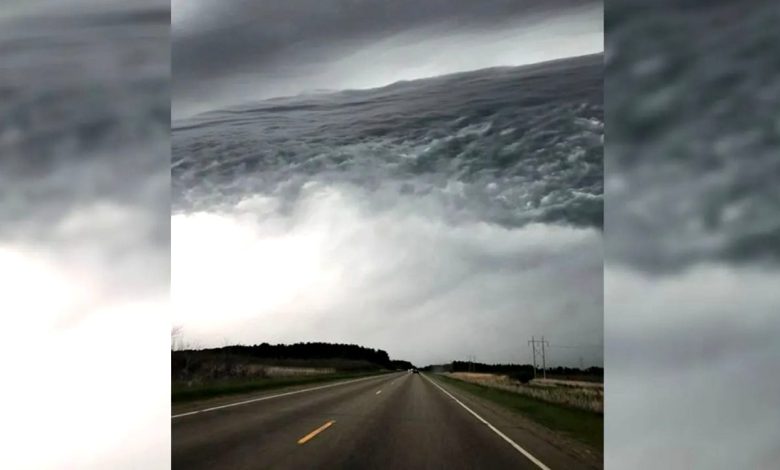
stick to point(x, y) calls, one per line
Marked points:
point(523, 372)
point(586, 396)
point(578, 422)
point(198, 373)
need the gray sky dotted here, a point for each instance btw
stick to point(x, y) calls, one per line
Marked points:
point(399, 279)
point(691, 270)
point(228, 52)
point(84, 233)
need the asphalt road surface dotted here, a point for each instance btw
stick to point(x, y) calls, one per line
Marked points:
point(394, 421)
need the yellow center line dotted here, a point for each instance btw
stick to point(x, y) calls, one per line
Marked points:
point(311, 435)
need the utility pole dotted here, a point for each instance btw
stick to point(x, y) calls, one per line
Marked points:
point(542, 342)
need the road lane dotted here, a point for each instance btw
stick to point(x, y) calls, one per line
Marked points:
point(228, 403)
point(387, 422)
point(256, 435)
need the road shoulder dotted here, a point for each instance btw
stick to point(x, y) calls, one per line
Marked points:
point(551, 447)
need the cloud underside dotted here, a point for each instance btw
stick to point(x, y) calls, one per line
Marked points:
point(398, 279)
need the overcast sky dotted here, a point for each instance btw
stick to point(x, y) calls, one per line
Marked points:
point(400, 279)
point(228, 52)
point(691, 272)
point(84, 233)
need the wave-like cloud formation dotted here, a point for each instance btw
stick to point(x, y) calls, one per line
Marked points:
point(408, 217)
point(509, 146)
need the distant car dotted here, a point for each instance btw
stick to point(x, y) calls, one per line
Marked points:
point(415, 371)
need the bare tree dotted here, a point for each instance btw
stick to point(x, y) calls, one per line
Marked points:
point(178, 343)
point(176, 338)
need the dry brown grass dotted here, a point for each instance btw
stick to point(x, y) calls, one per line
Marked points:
point(200, 367)
point(276, 371)
point(568, 383)
point(581, 395)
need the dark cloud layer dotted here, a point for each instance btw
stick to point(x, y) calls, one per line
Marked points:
point(262, 33)
point(510, 145)
point(272, 41)
point(83, 99)
point(84, 130)
point(692, 161)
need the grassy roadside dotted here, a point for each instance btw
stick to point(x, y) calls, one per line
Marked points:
point(180, 393)
point(584, 426)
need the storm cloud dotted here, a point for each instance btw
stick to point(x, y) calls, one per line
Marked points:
point(691, 227)
point(84, 232)
point(230, 52)
point(436, 218)
point(401, 279)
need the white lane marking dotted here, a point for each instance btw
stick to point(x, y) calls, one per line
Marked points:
point(270, 397)
point(493, 428)
point(378, 392)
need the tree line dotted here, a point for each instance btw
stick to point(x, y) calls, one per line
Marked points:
point(521, 372)
point(309, 350)
point(403, 365)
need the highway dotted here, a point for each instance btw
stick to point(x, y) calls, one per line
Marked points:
point(392, 421)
